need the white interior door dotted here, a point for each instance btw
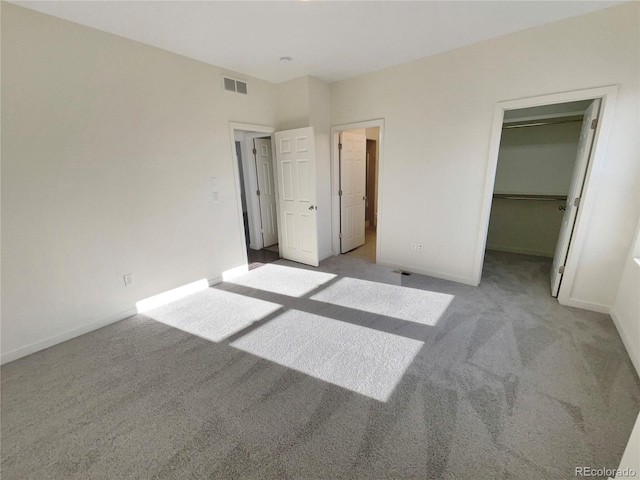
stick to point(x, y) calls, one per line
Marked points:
point(353, 179)
point(296, 168)
point(585, 143)
point(267, 194)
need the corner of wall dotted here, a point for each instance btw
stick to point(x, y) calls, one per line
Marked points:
point(627, 339)
point(293, 104)
point(626, 308)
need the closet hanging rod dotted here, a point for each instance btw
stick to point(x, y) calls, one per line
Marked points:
point(544, 198)
point(539, 123)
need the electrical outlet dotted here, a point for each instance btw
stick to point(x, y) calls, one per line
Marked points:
point(128, 280)
point(420, 247)
point(214, 183)
point(414, 246)
point(216, 197)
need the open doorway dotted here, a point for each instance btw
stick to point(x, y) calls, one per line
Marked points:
point(543, 159)
point(255, 167)
point(281, 208)
point(356, 173)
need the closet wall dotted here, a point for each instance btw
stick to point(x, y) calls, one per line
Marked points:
point(536, 160)
point(373, 133)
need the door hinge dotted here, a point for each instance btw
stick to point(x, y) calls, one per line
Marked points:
point(258, 192)
point(339, 146)
point(254, 151)
point(339, 193)
point(561, 270)
point(340, 234)
point(262, 230)
point(576, 202)
point(594, 123)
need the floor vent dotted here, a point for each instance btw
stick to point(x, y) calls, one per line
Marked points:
point(401, 272)
point(234, 85)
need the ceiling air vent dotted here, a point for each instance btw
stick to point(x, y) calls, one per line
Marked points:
point(232, 85)
point(241, 87)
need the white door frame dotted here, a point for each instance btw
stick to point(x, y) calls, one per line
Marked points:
point(251, 196)
point(335, 181)
point(608, 97)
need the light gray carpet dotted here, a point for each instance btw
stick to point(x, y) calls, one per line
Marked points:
point(264, 378)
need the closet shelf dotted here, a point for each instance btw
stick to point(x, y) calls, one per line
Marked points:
point(539, 123)
point(519, 196)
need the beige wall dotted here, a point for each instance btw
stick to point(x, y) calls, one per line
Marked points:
point(108, 147)
point(631, 459)
point(438, 115)
point(529, 227)
point(626, 310)
point(293, 104)
point(537, 160)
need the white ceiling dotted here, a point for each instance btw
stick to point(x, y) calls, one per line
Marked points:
point(331, 40)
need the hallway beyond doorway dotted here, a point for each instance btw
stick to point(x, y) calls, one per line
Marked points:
point(368, 250)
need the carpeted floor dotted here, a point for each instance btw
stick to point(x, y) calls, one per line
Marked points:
point(345, 371)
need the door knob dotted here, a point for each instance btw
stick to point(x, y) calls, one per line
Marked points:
point(313, 208)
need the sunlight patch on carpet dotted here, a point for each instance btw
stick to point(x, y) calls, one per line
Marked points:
point(213, 314)
point(420, 306)
point(357, 358)
point(294, 282)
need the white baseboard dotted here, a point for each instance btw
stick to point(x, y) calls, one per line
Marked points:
point(63, 337)
point(634, 354)
point(523, 251)
point(430, 273)
point(594, 307)
point(76, 332)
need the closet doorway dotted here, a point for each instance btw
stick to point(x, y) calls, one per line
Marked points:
point(543, 160)
point(256, 185)
point(357, 162)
